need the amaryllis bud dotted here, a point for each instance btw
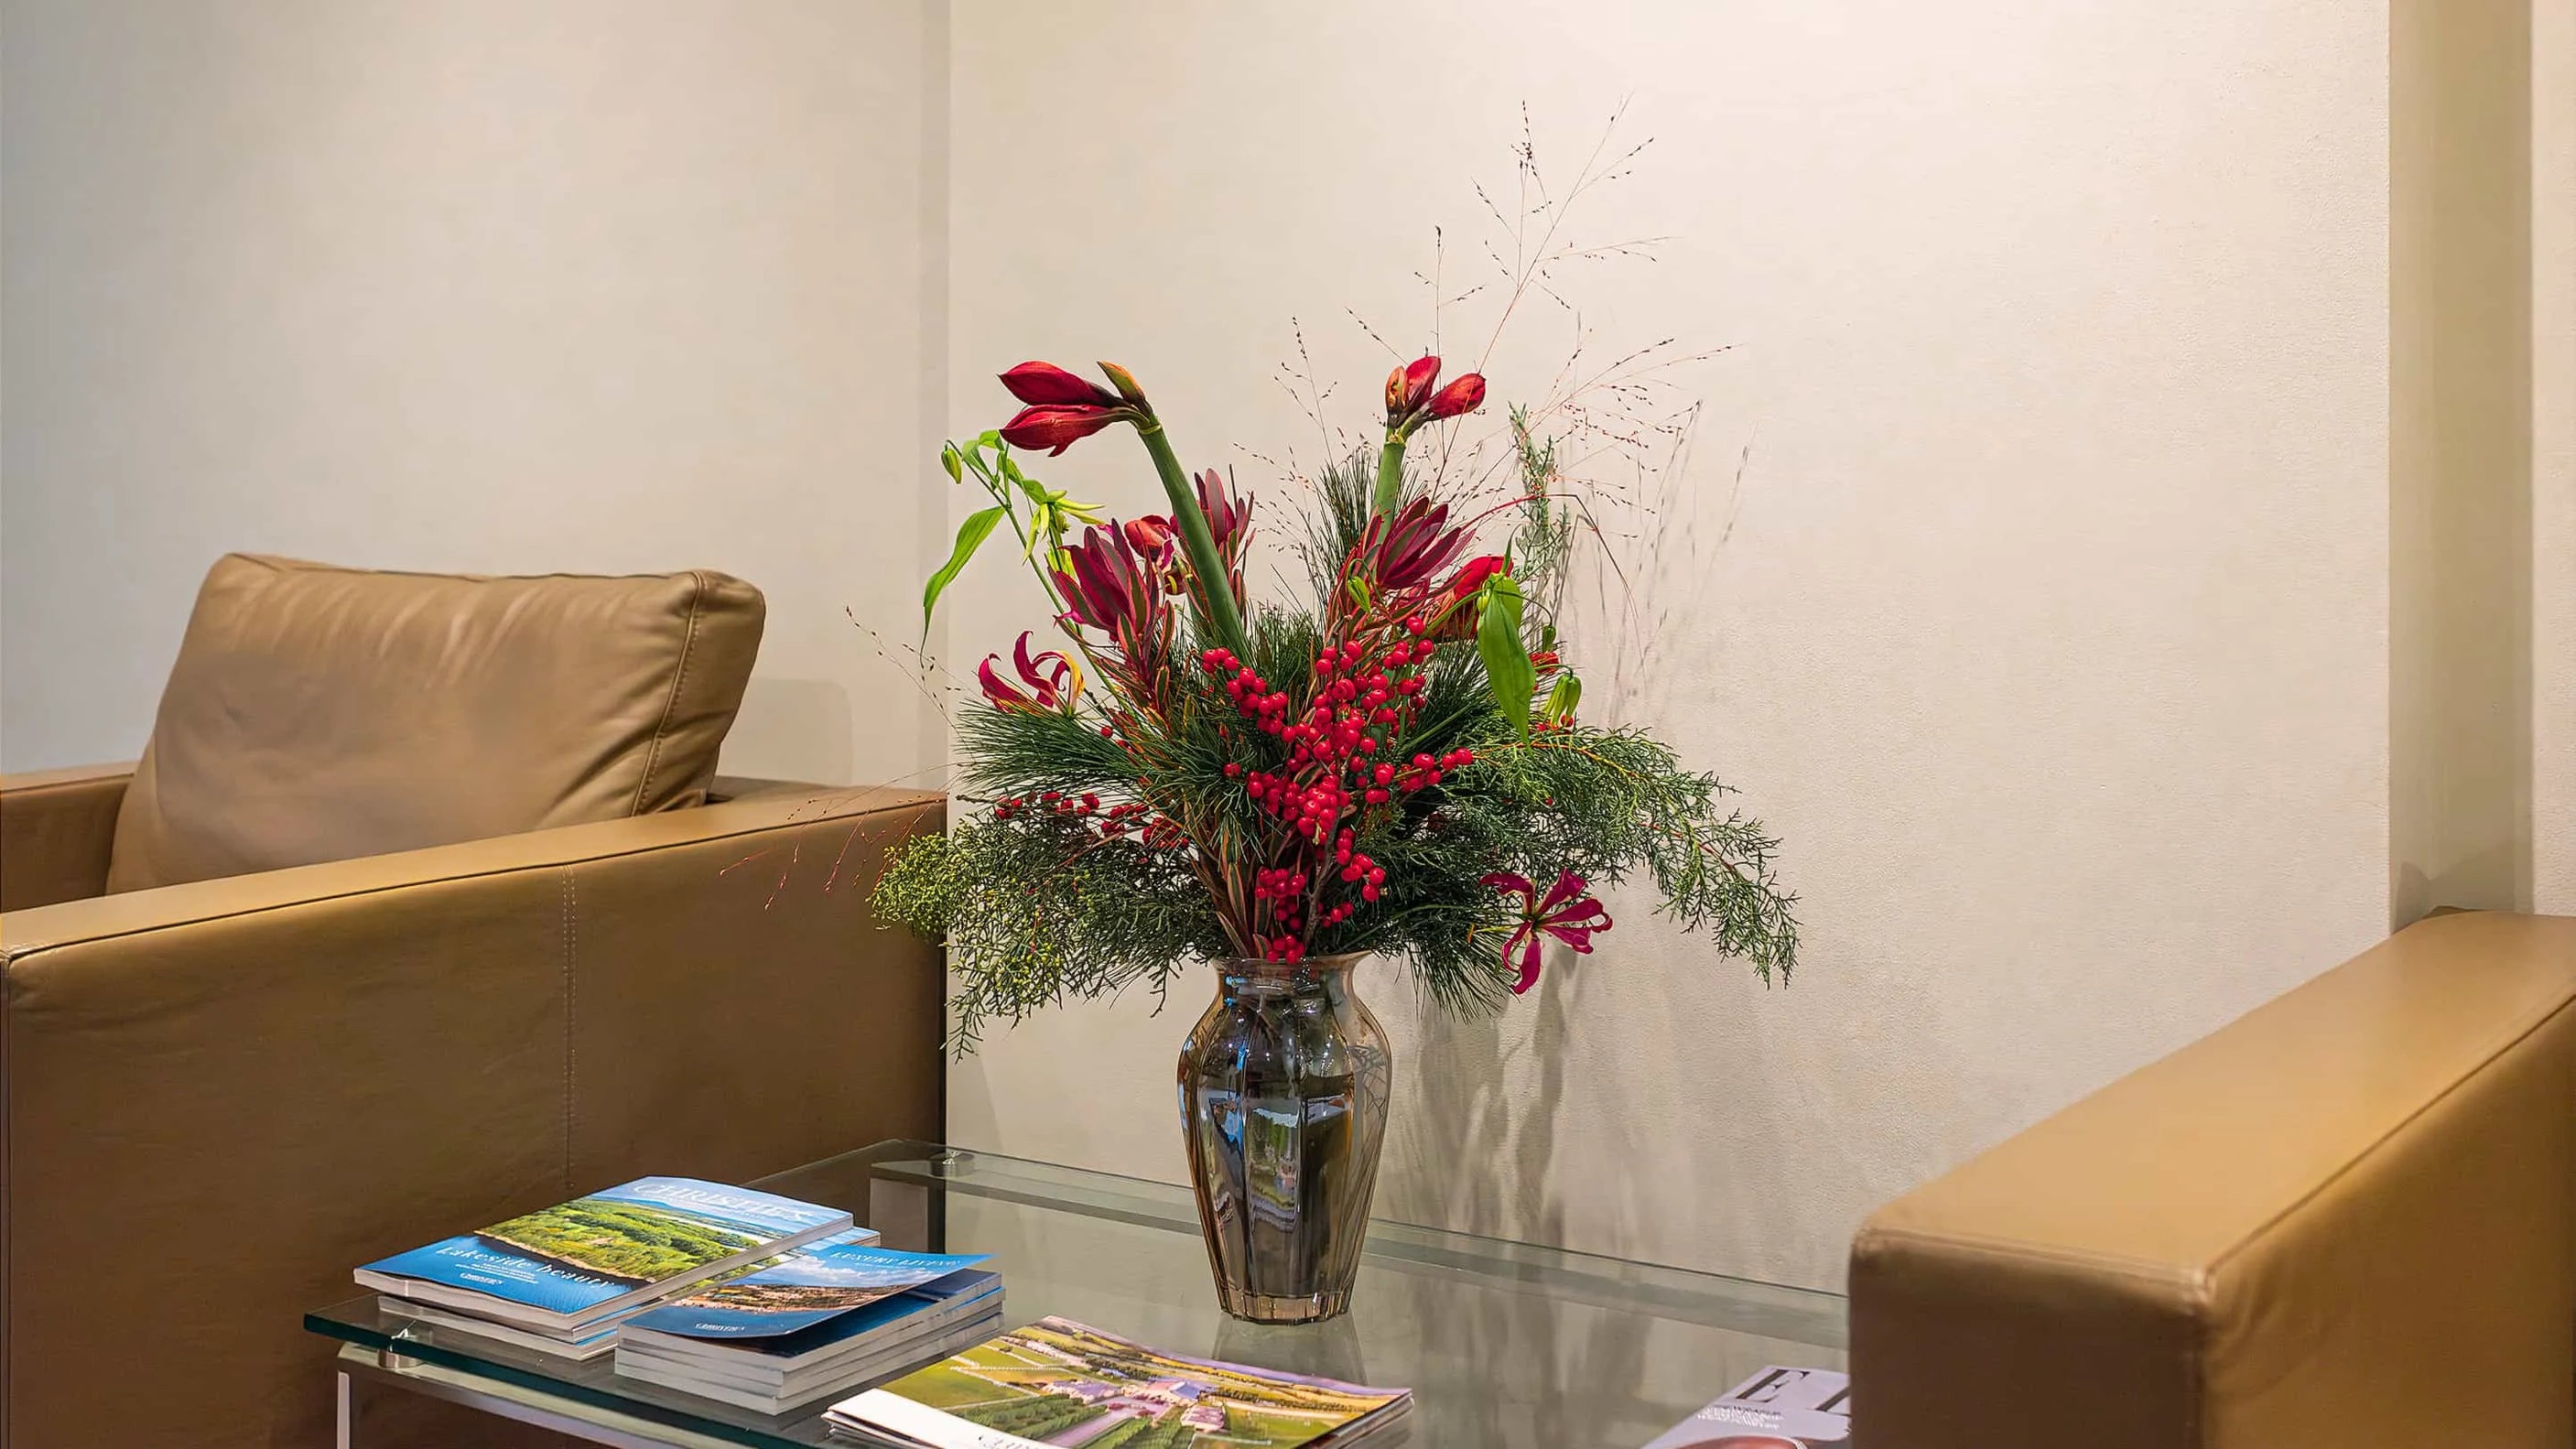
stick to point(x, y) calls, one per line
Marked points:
point(1057, 426)
point(1409, 387)
point(1125, 381)
point(1150, 535)
point(1462, 396)
point(1044, 383)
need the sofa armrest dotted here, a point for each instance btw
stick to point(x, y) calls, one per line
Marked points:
point(2342, 1220)
point(221, 1097)
point(56, 828)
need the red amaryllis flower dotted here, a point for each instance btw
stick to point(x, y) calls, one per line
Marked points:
point(1062, 408)
point(1408, 388)
point(1565, 912)
point(1043, 384)
point(1056, 427)
point(1410, 547)
point(1108, 587)
point(1054, 681)
point(1462, 396)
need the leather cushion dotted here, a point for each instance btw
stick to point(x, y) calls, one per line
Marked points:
point(319, 713)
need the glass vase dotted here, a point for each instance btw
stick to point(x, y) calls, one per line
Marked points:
point(1284, 1088)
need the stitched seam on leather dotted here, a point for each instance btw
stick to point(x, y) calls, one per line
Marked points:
point(671, 704)
point(2353, 1164)
point(570, 890)
point(2143, 1272)
point(11, 954)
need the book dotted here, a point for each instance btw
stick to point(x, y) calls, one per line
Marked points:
point(800, 1289)
point(580, 1347)
point(1060, 1382)
point(1778, 1408)
point(574, 1264)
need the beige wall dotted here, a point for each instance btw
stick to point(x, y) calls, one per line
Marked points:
point(2050, 620)
point(2051, 630)
point(2553, 382)
point(2461, 454)
point(486, 285)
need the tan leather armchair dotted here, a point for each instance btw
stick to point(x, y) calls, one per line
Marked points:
point(2346, 1221)
point(219, 1096)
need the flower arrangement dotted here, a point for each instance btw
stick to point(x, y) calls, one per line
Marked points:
point(1396, 764)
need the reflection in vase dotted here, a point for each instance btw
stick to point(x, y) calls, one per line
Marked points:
point(1283, 1088)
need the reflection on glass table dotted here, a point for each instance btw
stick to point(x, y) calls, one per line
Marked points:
point(1506, 1345)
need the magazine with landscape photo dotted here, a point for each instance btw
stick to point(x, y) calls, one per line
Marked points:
point(578, 1261)
point(1778, 1408)
point(1059, 1383)
point(800, 1289)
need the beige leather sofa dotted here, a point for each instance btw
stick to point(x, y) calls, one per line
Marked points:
point(285, 1000)
point(2347, 1221)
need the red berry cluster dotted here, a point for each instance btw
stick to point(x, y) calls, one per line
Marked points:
point(1359, 705)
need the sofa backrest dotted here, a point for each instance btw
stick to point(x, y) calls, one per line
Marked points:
point(320, 713)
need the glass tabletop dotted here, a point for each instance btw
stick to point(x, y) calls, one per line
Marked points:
point(1506, 1345)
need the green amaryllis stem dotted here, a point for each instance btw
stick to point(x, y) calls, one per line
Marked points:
point(1390, 474)
point(1224, 618)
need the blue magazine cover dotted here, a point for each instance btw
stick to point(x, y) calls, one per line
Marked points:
point(806, 1287)
point(580, 1258)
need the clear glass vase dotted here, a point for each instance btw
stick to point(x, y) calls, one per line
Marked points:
point(1284, 1088)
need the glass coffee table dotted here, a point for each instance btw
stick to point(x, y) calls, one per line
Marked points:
point(1505, 1345)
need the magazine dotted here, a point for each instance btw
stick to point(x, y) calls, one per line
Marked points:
point(581, 1347)
point(916, 1313)
point(1778, 1408)
point(576, 1263)
point(792, 1388)
point(801, 1289)
point(1059, 1382)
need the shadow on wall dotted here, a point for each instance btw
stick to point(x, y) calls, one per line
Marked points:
point(792, 729)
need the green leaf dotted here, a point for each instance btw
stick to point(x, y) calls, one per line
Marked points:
point(970, 537)
point(1507, 661)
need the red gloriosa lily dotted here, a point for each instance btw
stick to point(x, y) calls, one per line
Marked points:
point(1054, 681)
point(1471, 575)
point(1453, 607)
point(1565, 912)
